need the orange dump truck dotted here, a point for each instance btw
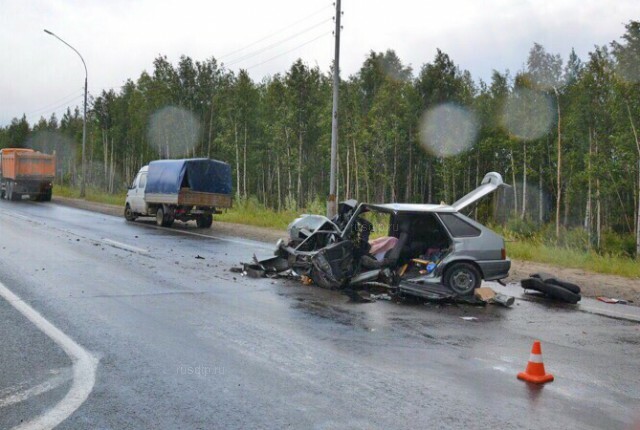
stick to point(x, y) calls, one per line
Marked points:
point(26, 172)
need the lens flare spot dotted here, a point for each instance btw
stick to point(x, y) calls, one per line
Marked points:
point(448, 130)
point(54, 142)
point(629, 73)
point(174, 132)
point(528, 114)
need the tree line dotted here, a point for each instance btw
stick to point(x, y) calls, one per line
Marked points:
point(563, 133)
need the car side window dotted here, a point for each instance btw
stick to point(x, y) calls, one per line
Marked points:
point(143, 181)
point(457, 226)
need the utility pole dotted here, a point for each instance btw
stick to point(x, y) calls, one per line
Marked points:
point(83, 184)
point(331, 203)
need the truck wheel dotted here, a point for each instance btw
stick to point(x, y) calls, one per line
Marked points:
point(46, 197)
point(13, 196)
point(163, 219)
point(204, 221)
point(160, 217)
point(462, 278)
point(128, 213)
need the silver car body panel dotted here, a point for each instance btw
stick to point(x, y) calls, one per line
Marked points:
point(489, 184)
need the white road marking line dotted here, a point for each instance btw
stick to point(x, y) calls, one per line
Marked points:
point(84, 367)
point(19, 216)
point(125, 246)
point(608, 313)
point(223, 239)
point(47, 385)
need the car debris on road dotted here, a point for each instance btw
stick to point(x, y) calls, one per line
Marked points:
point(487, 295)
point(611, 300)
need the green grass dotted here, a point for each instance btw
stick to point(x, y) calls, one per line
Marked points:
point(258, 216)
point(251, 212)
point(576, 259)
point(91, 195)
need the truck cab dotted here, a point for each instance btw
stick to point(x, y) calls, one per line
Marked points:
point(135, 194)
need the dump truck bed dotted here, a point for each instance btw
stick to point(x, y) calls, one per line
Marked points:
point(26, 164)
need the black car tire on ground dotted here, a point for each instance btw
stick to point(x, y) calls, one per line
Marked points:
point(462, 278)
point(549, 279)
point(551, 290)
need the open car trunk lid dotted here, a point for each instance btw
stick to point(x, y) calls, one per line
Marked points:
point(491, 182)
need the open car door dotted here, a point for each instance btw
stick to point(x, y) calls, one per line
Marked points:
point(489, 184)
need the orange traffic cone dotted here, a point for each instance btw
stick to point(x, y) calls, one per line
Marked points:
point(535, 368)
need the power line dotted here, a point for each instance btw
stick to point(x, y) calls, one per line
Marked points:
point(275, 33)
point(66, 99)
point(290, 50)
point(65, 104)
point(275, 44)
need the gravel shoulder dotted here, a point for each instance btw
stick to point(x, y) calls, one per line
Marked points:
point(593, 284)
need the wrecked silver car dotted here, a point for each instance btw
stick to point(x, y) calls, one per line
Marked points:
point(398, 245)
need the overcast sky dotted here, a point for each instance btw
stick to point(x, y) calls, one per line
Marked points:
point(119, 39)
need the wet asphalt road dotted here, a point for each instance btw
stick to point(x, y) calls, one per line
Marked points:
point(184, 343)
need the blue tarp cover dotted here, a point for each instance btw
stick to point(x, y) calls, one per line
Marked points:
point(198, 174)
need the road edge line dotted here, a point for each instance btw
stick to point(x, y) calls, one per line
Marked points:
point(84, 366)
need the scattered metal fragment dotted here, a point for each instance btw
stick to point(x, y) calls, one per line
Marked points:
point(503, 300)
point(383, 296)
point(613, 301)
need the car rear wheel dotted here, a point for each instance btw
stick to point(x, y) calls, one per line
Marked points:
point(462, 278)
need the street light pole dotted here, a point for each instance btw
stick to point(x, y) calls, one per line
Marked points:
point(84, 116)
point(331, 203)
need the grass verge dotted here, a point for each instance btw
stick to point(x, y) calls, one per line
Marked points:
point(258, 217)
point(571, 258)
point(91, 195)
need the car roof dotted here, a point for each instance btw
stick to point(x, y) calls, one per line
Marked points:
point(410, 207)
